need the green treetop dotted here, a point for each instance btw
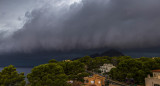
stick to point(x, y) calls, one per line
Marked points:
point(10, 77)
point(50, 74)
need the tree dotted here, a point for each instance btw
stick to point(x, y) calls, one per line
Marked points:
point(50, 74)
point(94, 63)
point(73, 69)
point(10, 77)
point(136, 69)
point(80, 76)
point(98, 61)
point(77, 83)
point(52, 61)
point(87, 60)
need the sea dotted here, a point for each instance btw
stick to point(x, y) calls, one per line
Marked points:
point(21, 69)
point(26, 70)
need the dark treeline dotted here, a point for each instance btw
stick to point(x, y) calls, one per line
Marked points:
point(57, 73)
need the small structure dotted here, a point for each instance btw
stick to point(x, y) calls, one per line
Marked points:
point(67, 60)
point(106, 68)
point(153, 81)
point(95, 80)
point(70, 81)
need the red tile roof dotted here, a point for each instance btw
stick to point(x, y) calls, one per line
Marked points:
point(156, 70)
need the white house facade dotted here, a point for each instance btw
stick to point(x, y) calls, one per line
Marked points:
point(106, 68)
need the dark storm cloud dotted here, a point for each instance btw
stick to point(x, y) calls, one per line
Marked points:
point(89, 24)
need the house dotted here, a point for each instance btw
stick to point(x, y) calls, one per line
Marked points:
point(67, 60)
point(155, 80)
point(106, 68)
point(95, 80)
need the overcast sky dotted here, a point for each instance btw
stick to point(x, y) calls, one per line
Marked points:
point(30, 26)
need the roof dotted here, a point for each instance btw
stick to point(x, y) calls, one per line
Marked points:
point(156, 70)
point(95, 76)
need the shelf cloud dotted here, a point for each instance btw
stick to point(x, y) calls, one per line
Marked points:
point(87, 24)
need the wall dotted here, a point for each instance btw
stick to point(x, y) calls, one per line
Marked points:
point(152, 81)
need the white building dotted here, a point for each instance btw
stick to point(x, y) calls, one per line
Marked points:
point(155, 80)
point(106, 68)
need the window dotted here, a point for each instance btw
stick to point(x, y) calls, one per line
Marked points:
point(87, 81)
point(92, 82)
point(156, 84)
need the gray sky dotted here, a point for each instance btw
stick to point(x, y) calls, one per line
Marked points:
point(29, 26)
point(12, 13)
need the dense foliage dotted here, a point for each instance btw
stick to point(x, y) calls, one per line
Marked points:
point(93, 63)
point(10, 77)
point(52, 61)
point(47, 75)
point(134, 70)
point(57, 73)
point(75, 70)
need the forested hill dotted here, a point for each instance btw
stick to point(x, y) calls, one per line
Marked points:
point(109, 53)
